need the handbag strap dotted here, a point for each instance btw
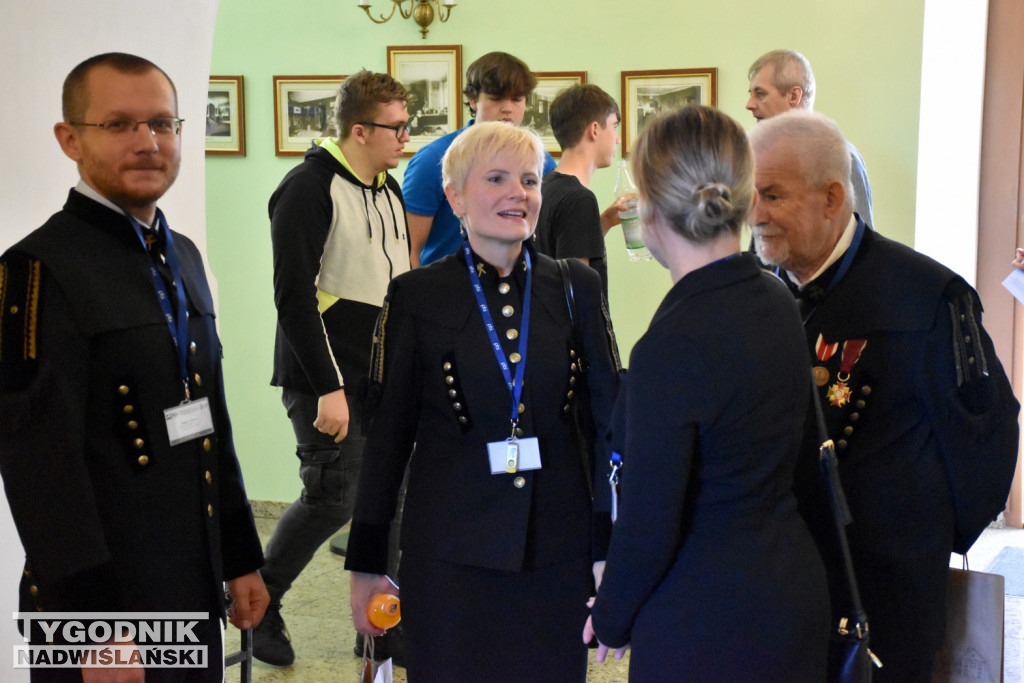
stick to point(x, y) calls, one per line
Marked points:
point(582, 364)
point(829, 464)
point(574, 317)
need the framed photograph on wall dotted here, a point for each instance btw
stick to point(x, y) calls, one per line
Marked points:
point(433, 76)
point(225, 117)
point(648, 93)
point(538, 104)
point(303, 111)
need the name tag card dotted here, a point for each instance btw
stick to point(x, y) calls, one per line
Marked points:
point(510, 456)
point(188, 421)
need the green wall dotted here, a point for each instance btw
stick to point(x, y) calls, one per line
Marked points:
point(866, 57)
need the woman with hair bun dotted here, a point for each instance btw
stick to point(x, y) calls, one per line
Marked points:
point(711, 574)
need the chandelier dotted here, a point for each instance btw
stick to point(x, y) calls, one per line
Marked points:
point(421, 11)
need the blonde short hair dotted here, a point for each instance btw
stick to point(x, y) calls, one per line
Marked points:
point(482, 142)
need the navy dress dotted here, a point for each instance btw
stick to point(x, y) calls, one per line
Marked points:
point(712, 574)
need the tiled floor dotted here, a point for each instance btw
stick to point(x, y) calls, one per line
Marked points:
point(316, 612)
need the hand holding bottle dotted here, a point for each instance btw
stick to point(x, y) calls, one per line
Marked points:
point(629, 216)
point(384, 611)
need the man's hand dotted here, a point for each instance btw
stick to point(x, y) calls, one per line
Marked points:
point(125, 652)
point(332, 415)
point(362, 587)
point(1018, 261)
point(250, 600)
point(610, 216)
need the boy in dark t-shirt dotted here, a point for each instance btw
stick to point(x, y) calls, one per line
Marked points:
point(585, 121)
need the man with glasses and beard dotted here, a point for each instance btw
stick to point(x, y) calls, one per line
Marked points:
point(115, 445)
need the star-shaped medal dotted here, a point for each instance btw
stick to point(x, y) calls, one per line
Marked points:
point(839, 394)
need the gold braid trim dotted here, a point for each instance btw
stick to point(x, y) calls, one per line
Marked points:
point(32, 308)
point(377, 355)
point(611, 335)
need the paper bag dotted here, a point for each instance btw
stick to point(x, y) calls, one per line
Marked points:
point(973, 648)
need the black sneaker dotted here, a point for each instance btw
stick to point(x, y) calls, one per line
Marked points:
point(270, 641)
point(391, 646)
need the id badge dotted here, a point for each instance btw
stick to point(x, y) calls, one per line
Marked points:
point(188, 421)
point(510, 456)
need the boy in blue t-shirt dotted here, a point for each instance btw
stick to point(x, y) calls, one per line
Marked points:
point(497, 86)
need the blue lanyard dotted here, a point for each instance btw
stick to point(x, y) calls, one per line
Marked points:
point(515, 388)
point(178, 326)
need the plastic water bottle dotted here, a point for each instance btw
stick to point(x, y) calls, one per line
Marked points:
point(631, 216)
point(384, 610)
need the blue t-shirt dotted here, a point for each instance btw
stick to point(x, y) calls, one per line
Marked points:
point(424, 195)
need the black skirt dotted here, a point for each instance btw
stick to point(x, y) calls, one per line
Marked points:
point(473, 624)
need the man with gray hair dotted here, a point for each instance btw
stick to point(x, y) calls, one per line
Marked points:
point(920, 410)
point(781, 80)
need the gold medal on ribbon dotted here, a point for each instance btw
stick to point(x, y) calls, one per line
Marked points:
point(821, 375)
point(839, 394)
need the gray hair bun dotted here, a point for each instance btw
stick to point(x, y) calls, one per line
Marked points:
point(714, 203)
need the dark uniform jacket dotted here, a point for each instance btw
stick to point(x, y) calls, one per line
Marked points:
point(712, 574)
point(111, 516)
point(443, 390)
point(926, 436)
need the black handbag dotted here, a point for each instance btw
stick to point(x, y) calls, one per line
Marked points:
point(849, 658)
point(580, 415)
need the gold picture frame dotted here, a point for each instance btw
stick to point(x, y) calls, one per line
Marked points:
point(647, 93)
point(549, 84)
point(433, 76)
point(225, 116)
point(303, 111)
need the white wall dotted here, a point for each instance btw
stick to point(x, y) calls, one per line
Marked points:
point(949, 141)
point(40, 41)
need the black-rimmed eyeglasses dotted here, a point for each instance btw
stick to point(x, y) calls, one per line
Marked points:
point(405, 129)
point(161, 125)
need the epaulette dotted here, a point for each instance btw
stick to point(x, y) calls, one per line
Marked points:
point(968, 351)
point(19, 317)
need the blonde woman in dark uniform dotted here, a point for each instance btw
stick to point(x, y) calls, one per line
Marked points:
point(475, 364)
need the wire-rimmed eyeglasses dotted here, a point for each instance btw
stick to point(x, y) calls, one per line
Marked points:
point(160, 125)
